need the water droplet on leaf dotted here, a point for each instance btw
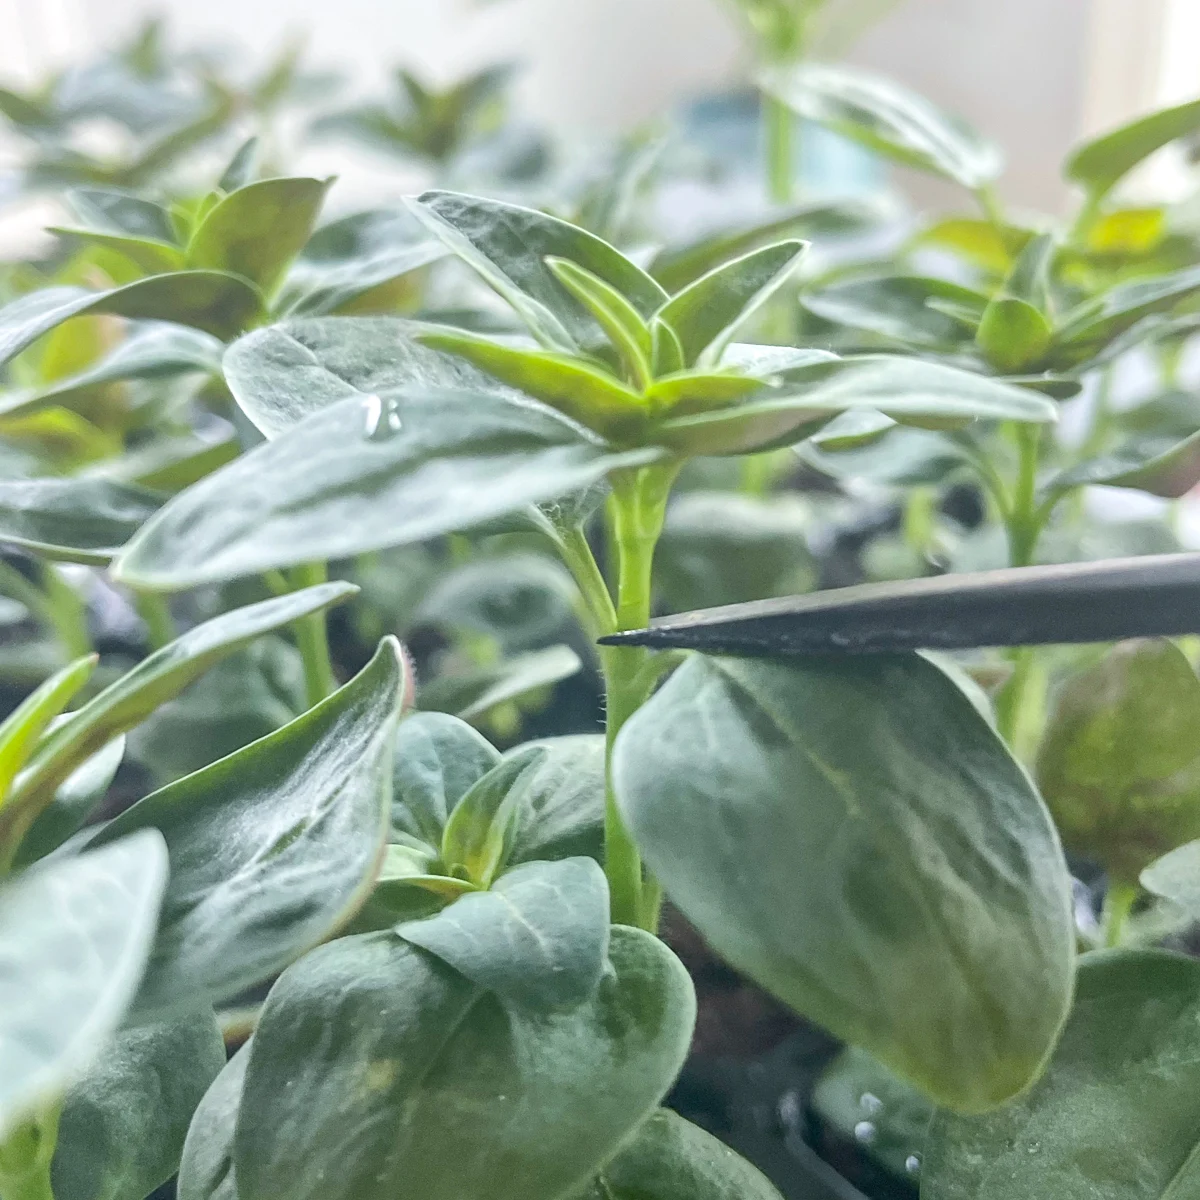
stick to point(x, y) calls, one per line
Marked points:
point(870, 1103)
point(912, 1164)
point(864, 1132)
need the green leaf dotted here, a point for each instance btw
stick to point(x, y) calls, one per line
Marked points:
point(479, 832)
point(437, 760)
point(621, 322)
point(585, 393)
point(666, 352)
point(908, 390)
point(1086, 329)
point(155, 680)
point(886, 118)
point(672, 1159)
point(272, 848)
point(507, 246)
point(256, 231)
point(284, 373)
point(149, 256)
point(123, 1124)
point(114, 211)
point(206, 1166)
point(561, 805)
point(360, 476)
point(241, 699)
point(75, 800)
point(152, 351)
point(74, 935)
point(845, 856)
point(75, 519)
point(904, 458)
point(699, 391)
point(855, 1088)
point(375, 1063)
point(1116, 1113)
point(1162, 467)
point(241, 168)
point(21, 729)
point(219, 304)
point(707, 313)
point(1013, 335)
point(347, 264)
point(677, 266)
point(473, 695)
point(898, 307)
point(538, 938)
point(1100, 164)
point(1176, 877)
point(1119, 763)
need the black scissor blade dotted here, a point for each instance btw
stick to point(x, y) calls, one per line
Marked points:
point(1025, 606)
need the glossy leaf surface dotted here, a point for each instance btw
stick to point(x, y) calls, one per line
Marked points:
point(73, 519)
point(672, 1159)
point(217, 303)
point(360, 476)
point(256, 231)
point(857, 839)
point(206, 1165)
point(272, 848)
point(1100, 164)
point(508, 246)
point(1114, 1117)
point(284, 373)
point(706, 313)
point(466, 1097)
point(123, 1124)
point(888, 119)
point(538, 937)
point(74, 936)
point(1120, 761)
point(156, 679)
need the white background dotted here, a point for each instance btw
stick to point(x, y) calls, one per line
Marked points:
point(1034, 74)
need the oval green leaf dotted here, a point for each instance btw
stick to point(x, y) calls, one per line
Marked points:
point(378, 1067)
point(74, 936)
point(1115, 1117)
point(538, 938)
point(672, 1159)
point(284, 373)
point(272, 848)
point(360, 476)
point(1119, 763)
point(256, 231)
point(856, 838)
point(73, 519)
point(123, 1124)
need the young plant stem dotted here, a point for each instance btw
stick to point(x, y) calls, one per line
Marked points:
point(779, 148)
point(1024, 521)
point(312, 640)
point(637, 508)
point(155, 612)
point(1118, 904)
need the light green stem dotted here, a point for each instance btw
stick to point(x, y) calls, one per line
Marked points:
point(780, 143)
point(155, 611)
point(1024, 521)
point(312, 640)
point(637, 509)
point(1118, 904)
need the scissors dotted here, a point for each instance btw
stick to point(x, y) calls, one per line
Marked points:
point(1151, 596)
